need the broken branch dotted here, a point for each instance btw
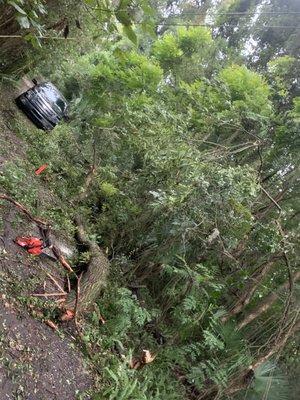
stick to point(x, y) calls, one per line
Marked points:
point(38, 221)
point(55, 282)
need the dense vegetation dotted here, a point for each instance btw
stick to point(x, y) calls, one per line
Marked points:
point(195, 140)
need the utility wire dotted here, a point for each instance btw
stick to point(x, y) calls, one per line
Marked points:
point(187, 24)
point(216, 13)
point(237, 13)
point(206, 13)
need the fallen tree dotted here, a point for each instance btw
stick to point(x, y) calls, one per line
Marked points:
point(94, 279)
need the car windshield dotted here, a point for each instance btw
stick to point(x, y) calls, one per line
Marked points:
point(51, 94)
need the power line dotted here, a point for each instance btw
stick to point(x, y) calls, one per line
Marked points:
point(233, 26)
point(237, 13)
point(139, 23)
point(213, 13)
point(216, 12)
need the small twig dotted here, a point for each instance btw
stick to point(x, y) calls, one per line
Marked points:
point(60, 301)
point(94, 154)
point(55, 282)
point(48, 294)
point(88, 180)
point(99, 315)
point(288, 302)
point(271, 198)
point(3, 241)
point(77, 300)
point(215, 144)
point(61, 259)
point(69, 284)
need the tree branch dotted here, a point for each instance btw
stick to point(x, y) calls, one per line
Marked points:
point(253, 282)
point(38, 221)
point(267, 302)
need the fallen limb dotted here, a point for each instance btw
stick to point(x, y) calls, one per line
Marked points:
point(94, 279)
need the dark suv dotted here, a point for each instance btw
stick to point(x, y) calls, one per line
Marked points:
point(44, 105)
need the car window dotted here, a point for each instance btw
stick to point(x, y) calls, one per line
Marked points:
point(61, 104)
point(53, 95)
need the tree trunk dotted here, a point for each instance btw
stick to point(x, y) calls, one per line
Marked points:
point(94, 279)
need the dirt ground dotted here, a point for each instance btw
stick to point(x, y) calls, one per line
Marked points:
point(36, 361)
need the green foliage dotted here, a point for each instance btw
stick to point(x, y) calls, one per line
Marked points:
point(12, 179)
point(29, 14)
point(126, 384)
point(193, 39)
point(249, 92)
point(282, 70)
point(160, 191)
point(126, 314)
point(174, 49)
point(108, 190)
point(167, 51)
point(124, 13)
point(295, 112)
